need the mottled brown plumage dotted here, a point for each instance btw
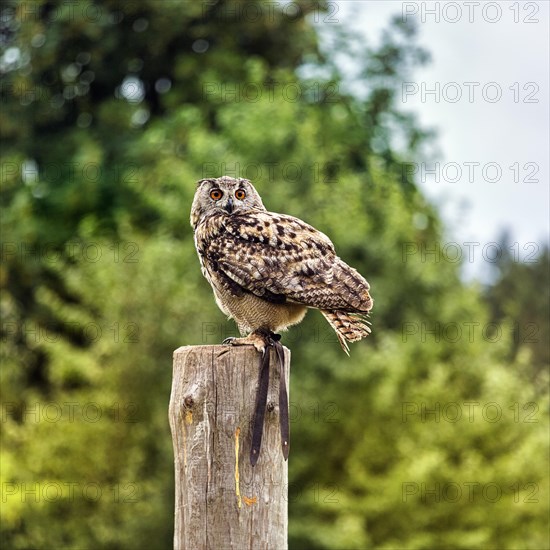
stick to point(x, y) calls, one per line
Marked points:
point(266, 269)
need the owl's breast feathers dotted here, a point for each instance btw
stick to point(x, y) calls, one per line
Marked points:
point(279, 259)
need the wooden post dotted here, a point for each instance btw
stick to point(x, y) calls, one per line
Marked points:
point(222, 501)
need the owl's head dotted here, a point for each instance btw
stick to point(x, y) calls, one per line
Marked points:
point(226, 196)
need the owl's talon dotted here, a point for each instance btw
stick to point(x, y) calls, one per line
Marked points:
point(255, 339)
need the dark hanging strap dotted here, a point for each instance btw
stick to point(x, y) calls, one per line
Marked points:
point(271, 340)
point(283, 402)
point(259, 411)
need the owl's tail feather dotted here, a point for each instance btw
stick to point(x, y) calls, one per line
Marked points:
point(349, 327)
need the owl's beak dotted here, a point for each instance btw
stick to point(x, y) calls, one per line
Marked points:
point(229, 205)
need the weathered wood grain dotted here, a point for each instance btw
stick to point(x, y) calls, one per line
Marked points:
point(222, 501)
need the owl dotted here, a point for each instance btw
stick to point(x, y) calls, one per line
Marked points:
point(266, 269)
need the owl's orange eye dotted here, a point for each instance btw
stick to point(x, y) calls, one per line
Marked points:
point(216, 194)
point(240, 194)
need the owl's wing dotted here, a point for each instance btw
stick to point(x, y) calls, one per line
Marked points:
point(280, 258)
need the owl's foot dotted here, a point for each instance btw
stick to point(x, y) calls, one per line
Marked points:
point(260, 339)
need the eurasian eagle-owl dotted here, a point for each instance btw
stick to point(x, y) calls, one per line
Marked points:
point(266, 269)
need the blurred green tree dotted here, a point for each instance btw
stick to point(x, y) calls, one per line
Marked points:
point(520, 297)
point(80, 81)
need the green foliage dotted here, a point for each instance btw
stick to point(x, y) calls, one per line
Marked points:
point(520, 298)
point(100, 283)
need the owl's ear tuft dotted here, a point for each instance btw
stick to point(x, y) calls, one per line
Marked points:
point(200, 182)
